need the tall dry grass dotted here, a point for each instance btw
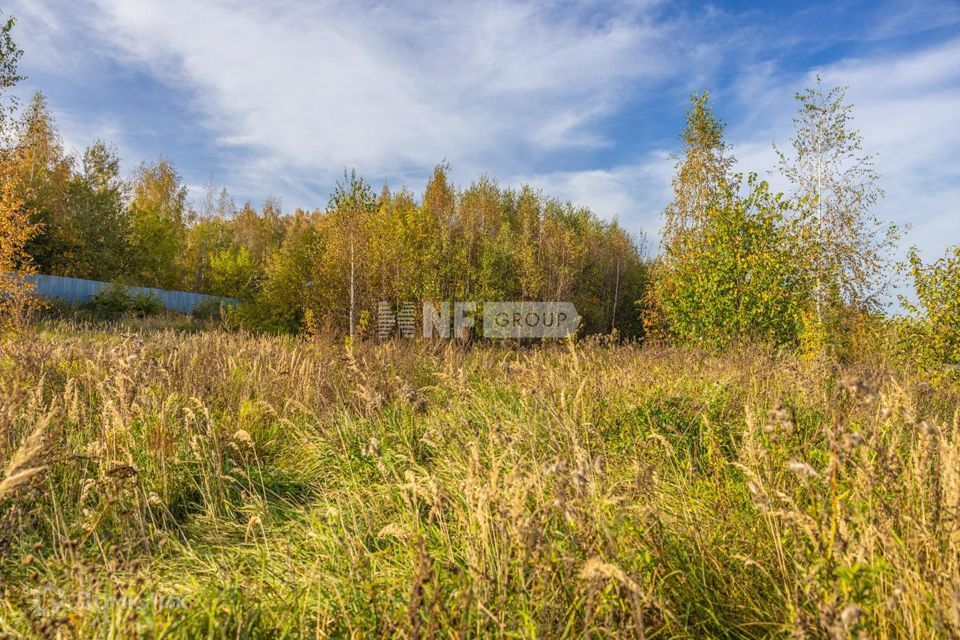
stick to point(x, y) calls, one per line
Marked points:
point(173, 484)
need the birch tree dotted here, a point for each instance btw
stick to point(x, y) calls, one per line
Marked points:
point(158, 213)
point(10, 55)
point(846, 246)
point(703, 171)
point(351, 205)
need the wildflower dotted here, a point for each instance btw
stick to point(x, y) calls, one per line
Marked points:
point(858, 388)
point(778, 419)
point(557, 466)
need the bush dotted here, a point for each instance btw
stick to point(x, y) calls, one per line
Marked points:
point(933, 333)
point(212, 309)
point(734, 277)
point(112, 302)
point(143, 305)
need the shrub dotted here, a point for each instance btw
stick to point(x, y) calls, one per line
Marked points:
point(734, 276)
point(144, 304)
point(108, 303)
point(212, 309)
point(115, 301)
point(933, 333)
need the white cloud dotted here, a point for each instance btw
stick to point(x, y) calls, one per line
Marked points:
point(315, 88)
point(42, 27)
point(912, 17)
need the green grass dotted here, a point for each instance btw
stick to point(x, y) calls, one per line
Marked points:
point(210, 484)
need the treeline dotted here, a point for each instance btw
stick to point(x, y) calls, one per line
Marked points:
point(327, 268)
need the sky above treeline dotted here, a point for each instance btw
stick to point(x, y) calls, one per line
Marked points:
point(582, 99)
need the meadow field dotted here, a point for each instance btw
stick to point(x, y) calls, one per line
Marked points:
point(170, 483)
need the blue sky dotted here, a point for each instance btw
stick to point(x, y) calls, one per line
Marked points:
point(583, 99)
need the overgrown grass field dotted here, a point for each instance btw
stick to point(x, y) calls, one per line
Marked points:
point(172, 484)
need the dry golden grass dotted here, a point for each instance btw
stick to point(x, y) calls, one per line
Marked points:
point(161, 483)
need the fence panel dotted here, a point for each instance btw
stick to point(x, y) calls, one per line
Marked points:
point(78, 290)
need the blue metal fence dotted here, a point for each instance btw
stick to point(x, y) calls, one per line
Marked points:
point(79, 290)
